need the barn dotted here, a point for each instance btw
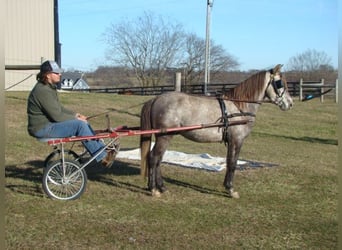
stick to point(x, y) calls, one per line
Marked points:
point(31, 36)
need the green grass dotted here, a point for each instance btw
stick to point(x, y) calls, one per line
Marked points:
point(292, 206)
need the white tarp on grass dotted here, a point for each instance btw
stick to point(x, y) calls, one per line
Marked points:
point(198, 161)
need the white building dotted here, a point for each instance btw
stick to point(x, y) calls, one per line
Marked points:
point(73, 81)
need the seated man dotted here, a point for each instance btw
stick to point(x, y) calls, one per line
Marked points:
point(47, 117)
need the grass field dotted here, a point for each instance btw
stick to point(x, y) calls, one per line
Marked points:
point(292, 206)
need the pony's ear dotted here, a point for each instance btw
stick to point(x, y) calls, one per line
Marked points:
point(277, 68)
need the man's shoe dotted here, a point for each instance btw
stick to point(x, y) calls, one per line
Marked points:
point(109, 159)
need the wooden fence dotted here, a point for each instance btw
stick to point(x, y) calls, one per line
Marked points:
point(297, 89)
point(318, 88)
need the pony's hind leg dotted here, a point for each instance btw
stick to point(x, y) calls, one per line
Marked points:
point(155, 182)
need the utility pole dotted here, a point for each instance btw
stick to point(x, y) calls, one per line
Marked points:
point(58, 58)
point(210, 4)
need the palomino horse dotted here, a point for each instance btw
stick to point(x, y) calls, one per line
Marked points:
point(176, 109)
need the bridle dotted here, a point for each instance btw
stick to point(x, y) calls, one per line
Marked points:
point(278, 87)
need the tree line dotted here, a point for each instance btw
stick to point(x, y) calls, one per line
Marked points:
point(149, 50)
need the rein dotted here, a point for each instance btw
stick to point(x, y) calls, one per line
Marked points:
point(224, 97)
point(96, 115)
point(310, 97)
point(247, 101)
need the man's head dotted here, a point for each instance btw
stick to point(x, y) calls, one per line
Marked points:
point(50, 66)
point(50, 72)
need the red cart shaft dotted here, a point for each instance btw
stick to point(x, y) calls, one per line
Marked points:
point(126, 131)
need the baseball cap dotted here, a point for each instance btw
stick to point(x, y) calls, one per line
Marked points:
point(50, 66)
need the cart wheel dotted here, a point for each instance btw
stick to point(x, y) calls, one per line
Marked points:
point(66, 182)
point(56, 155)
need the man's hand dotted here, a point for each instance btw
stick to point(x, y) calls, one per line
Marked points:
point(81, 117)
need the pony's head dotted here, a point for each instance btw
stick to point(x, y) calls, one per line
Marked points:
point(277, 90)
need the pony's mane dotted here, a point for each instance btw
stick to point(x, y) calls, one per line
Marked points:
point(248, 90)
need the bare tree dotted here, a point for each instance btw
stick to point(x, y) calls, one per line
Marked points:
point(149, 45)
point(311, 65)
point(309, 61)
point(194, 59)
point(221, 60)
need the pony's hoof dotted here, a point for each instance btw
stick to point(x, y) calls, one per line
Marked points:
point(234, 194)
point(156, 193)
point(163, 189)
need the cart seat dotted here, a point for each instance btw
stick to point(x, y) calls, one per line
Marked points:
point(48, 139)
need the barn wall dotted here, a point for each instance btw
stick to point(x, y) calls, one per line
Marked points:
point(29, 39)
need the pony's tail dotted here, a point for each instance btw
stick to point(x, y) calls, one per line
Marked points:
point(145, 140)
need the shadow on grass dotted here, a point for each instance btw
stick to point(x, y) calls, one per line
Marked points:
point(304, 138)
point(32, 172)
point(120, 184)
point(119, 168)
point(200, 189)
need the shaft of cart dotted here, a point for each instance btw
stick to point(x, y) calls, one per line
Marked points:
point(132, 131)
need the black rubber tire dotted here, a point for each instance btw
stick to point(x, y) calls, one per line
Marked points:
point(67, 183)
point(56, 155)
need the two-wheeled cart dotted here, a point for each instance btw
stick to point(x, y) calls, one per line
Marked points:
point(64, 176)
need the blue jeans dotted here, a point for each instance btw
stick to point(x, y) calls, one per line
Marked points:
point(73, 128)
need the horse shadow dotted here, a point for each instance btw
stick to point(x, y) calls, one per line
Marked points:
point(32, 172)
point(119, 168)
point(124, 168)
point(304, 138)
point(201, 189)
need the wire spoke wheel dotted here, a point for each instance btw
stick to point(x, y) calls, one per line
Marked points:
point(64, 182)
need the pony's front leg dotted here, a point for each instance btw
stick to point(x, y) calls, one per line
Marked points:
point(232, 157)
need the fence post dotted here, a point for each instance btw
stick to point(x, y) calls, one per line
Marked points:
point(322, 90)
point(178, 81)
point(301, 89)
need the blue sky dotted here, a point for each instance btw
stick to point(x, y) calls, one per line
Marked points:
point(258, 33)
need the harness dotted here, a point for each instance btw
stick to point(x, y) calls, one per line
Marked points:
point(224, 119)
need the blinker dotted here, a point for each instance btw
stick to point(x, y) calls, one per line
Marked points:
point(279, 84)
point(278, 87)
